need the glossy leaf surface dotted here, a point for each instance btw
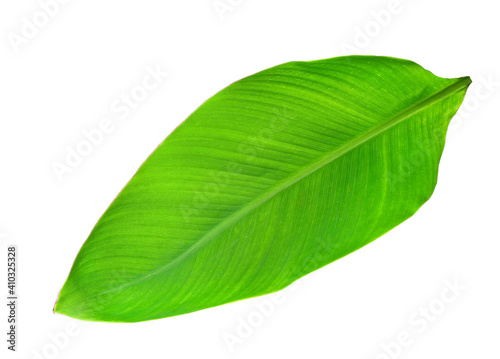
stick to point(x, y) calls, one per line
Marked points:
point(275, 176)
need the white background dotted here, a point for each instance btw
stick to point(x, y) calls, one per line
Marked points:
point(64, 79)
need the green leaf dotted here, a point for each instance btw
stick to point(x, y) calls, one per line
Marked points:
point(272, 178)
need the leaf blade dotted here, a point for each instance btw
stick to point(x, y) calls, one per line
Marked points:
point(337, 112)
